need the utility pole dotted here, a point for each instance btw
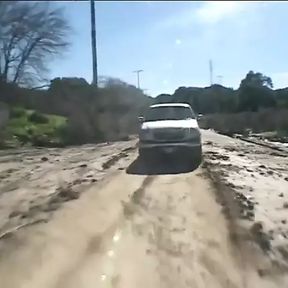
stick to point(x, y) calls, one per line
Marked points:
point(138, 78)
point(211, 72)
point(93, 43)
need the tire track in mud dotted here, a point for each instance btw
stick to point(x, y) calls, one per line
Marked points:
point(96, 246)
point(101, 249)
point(115, 158)
point(42, 209)
point(263, 144)
point(139, 193)
point(231, 211)
point(82, 229)
point(258, 263)
point(178, 235)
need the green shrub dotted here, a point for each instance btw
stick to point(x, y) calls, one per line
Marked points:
point(23, 138)
point(17, 112)
point(72, 134)
point(37, 117)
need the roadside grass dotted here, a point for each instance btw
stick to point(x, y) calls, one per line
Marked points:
point(30, 127)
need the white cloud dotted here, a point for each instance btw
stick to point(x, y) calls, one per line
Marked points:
point(210, 12)
point(215, 11)
point(165, 82)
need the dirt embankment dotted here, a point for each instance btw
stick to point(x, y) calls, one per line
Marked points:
point(255, 179)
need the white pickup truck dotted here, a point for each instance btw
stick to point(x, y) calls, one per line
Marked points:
point(170, 128)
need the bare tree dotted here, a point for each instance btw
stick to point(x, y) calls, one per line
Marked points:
point(30, 35)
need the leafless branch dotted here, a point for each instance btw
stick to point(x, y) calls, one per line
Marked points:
point(30, 34)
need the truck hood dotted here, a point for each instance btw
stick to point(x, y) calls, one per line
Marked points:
point(189, 123)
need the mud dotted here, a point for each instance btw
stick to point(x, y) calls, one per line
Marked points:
point(36, 182)
point(141, 225)
point(256, 181)
point(136, 231)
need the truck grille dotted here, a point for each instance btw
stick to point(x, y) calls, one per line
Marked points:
point(169, 135)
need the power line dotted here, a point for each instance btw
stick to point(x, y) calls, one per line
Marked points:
point(138, 78)
point(93, 43)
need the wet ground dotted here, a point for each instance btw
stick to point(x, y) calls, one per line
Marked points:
point(130, 224)
point(257, 178)
point(36, 182)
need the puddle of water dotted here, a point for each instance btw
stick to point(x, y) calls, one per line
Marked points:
point(109, 265)
point(116, 236)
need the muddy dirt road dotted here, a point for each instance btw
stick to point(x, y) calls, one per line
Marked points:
point(137, 227)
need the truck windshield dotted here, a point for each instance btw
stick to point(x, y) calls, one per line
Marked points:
point(169, 113)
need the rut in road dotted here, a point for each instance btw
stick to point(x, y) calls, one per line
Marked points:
point(128, 231)
point(184, 233)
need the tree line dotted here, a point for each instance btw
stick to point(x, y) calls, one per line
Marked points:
point(254, 93)
point(108, 112)
point(32, 34)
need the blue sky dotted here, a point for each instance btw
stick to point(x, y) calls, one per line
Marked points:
point(173, 42)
